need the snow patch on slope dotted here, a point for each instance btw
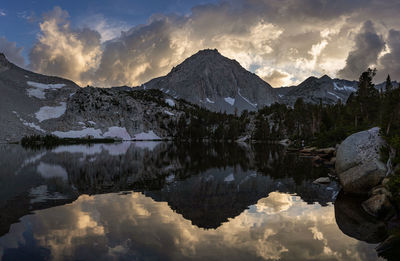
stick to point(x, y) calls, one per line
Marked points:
point(247, 100)
point(39, 88)
point(117, 132)
point(86, 132)
point(112, 132)
point(209, 101)
point(169, 113)
point(229, 178)
point(47, 112)
point(36, 93)
point(344, 88)
point(170, 102)
point(331, 93)
point(29, 124)
point(146, 136)
point(230, 100)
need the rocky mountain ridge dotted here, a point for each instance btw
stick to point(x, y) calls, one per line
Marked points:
point(324, 89)
point(217, 83)
point(35, 104)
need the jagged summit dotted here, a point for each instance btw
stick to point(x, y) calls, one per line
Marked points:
point(215, 82)
point(4, 63)
point(24, 94)
point(323, 89)
point(325, 78)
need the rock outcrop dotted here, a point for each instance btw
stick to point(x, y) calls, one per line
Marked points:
point(325, 90)
point(27, 98)
point(357, 162)
point(35, 104)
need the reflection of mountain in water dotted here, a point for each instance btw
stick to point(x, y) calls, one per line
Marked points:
point(206, 183)
point(216, 195)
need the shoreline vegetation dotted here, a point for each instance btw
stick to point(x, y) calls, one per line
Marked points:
point(51, 141)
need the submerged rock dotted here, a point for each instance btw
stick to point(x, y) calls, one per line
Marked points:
point(357, 162)
point(378, 206)
point(322, 180)
point(328, 151)
point(354, 222)
point(308, 150)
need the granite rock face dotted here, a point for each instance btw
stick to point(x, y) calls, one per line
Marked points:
point(217, 83)
point(357, 162)
point(315, 90)
point(35, 104)
point(23, 95)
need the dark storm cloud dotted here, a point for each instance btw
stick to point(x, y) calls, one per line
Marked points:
point(368, 45)
point(391, 61)
point(138, 54)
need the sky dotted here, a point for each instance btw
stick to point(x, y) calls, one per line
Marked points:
point(120, 42)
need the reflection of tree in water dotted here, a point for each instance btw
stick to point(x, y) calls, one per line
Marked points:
point(274, 161)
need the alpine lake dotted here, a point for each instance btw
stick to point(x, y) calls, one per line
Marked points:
point(176, 201)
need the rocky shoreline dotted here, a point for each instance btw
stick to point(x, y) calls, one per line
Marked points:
point(368, 210)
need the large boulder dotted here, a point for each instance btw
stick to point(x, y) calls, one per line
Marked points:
point(357, 162)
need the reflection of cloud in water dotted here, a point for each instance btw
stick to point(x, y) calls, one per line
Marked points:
point(134, 226)
point(275, 203)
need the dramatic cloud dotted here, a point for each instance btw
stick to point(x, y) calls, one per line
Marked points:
point(368, 45)
point(390, 62)
point(274, 77)
point(108, 29)
point(284, 41)
point(63, 51)
point(12, 52)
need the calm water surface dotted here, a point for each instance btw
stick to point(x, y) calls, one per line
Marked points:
point(165, 201)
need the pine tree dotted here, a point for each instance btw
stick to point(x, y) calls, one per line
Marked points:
point(367, 96)
point(389, 85)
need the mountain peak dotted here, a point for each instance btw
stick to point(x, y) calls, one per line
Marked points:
point(4, 63)
point(211, 80)
point(3, 58)
point(207, 52)
point(325, 77)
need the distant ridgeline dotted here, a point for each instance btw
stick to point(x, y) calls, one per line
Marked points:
point(316, 124)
